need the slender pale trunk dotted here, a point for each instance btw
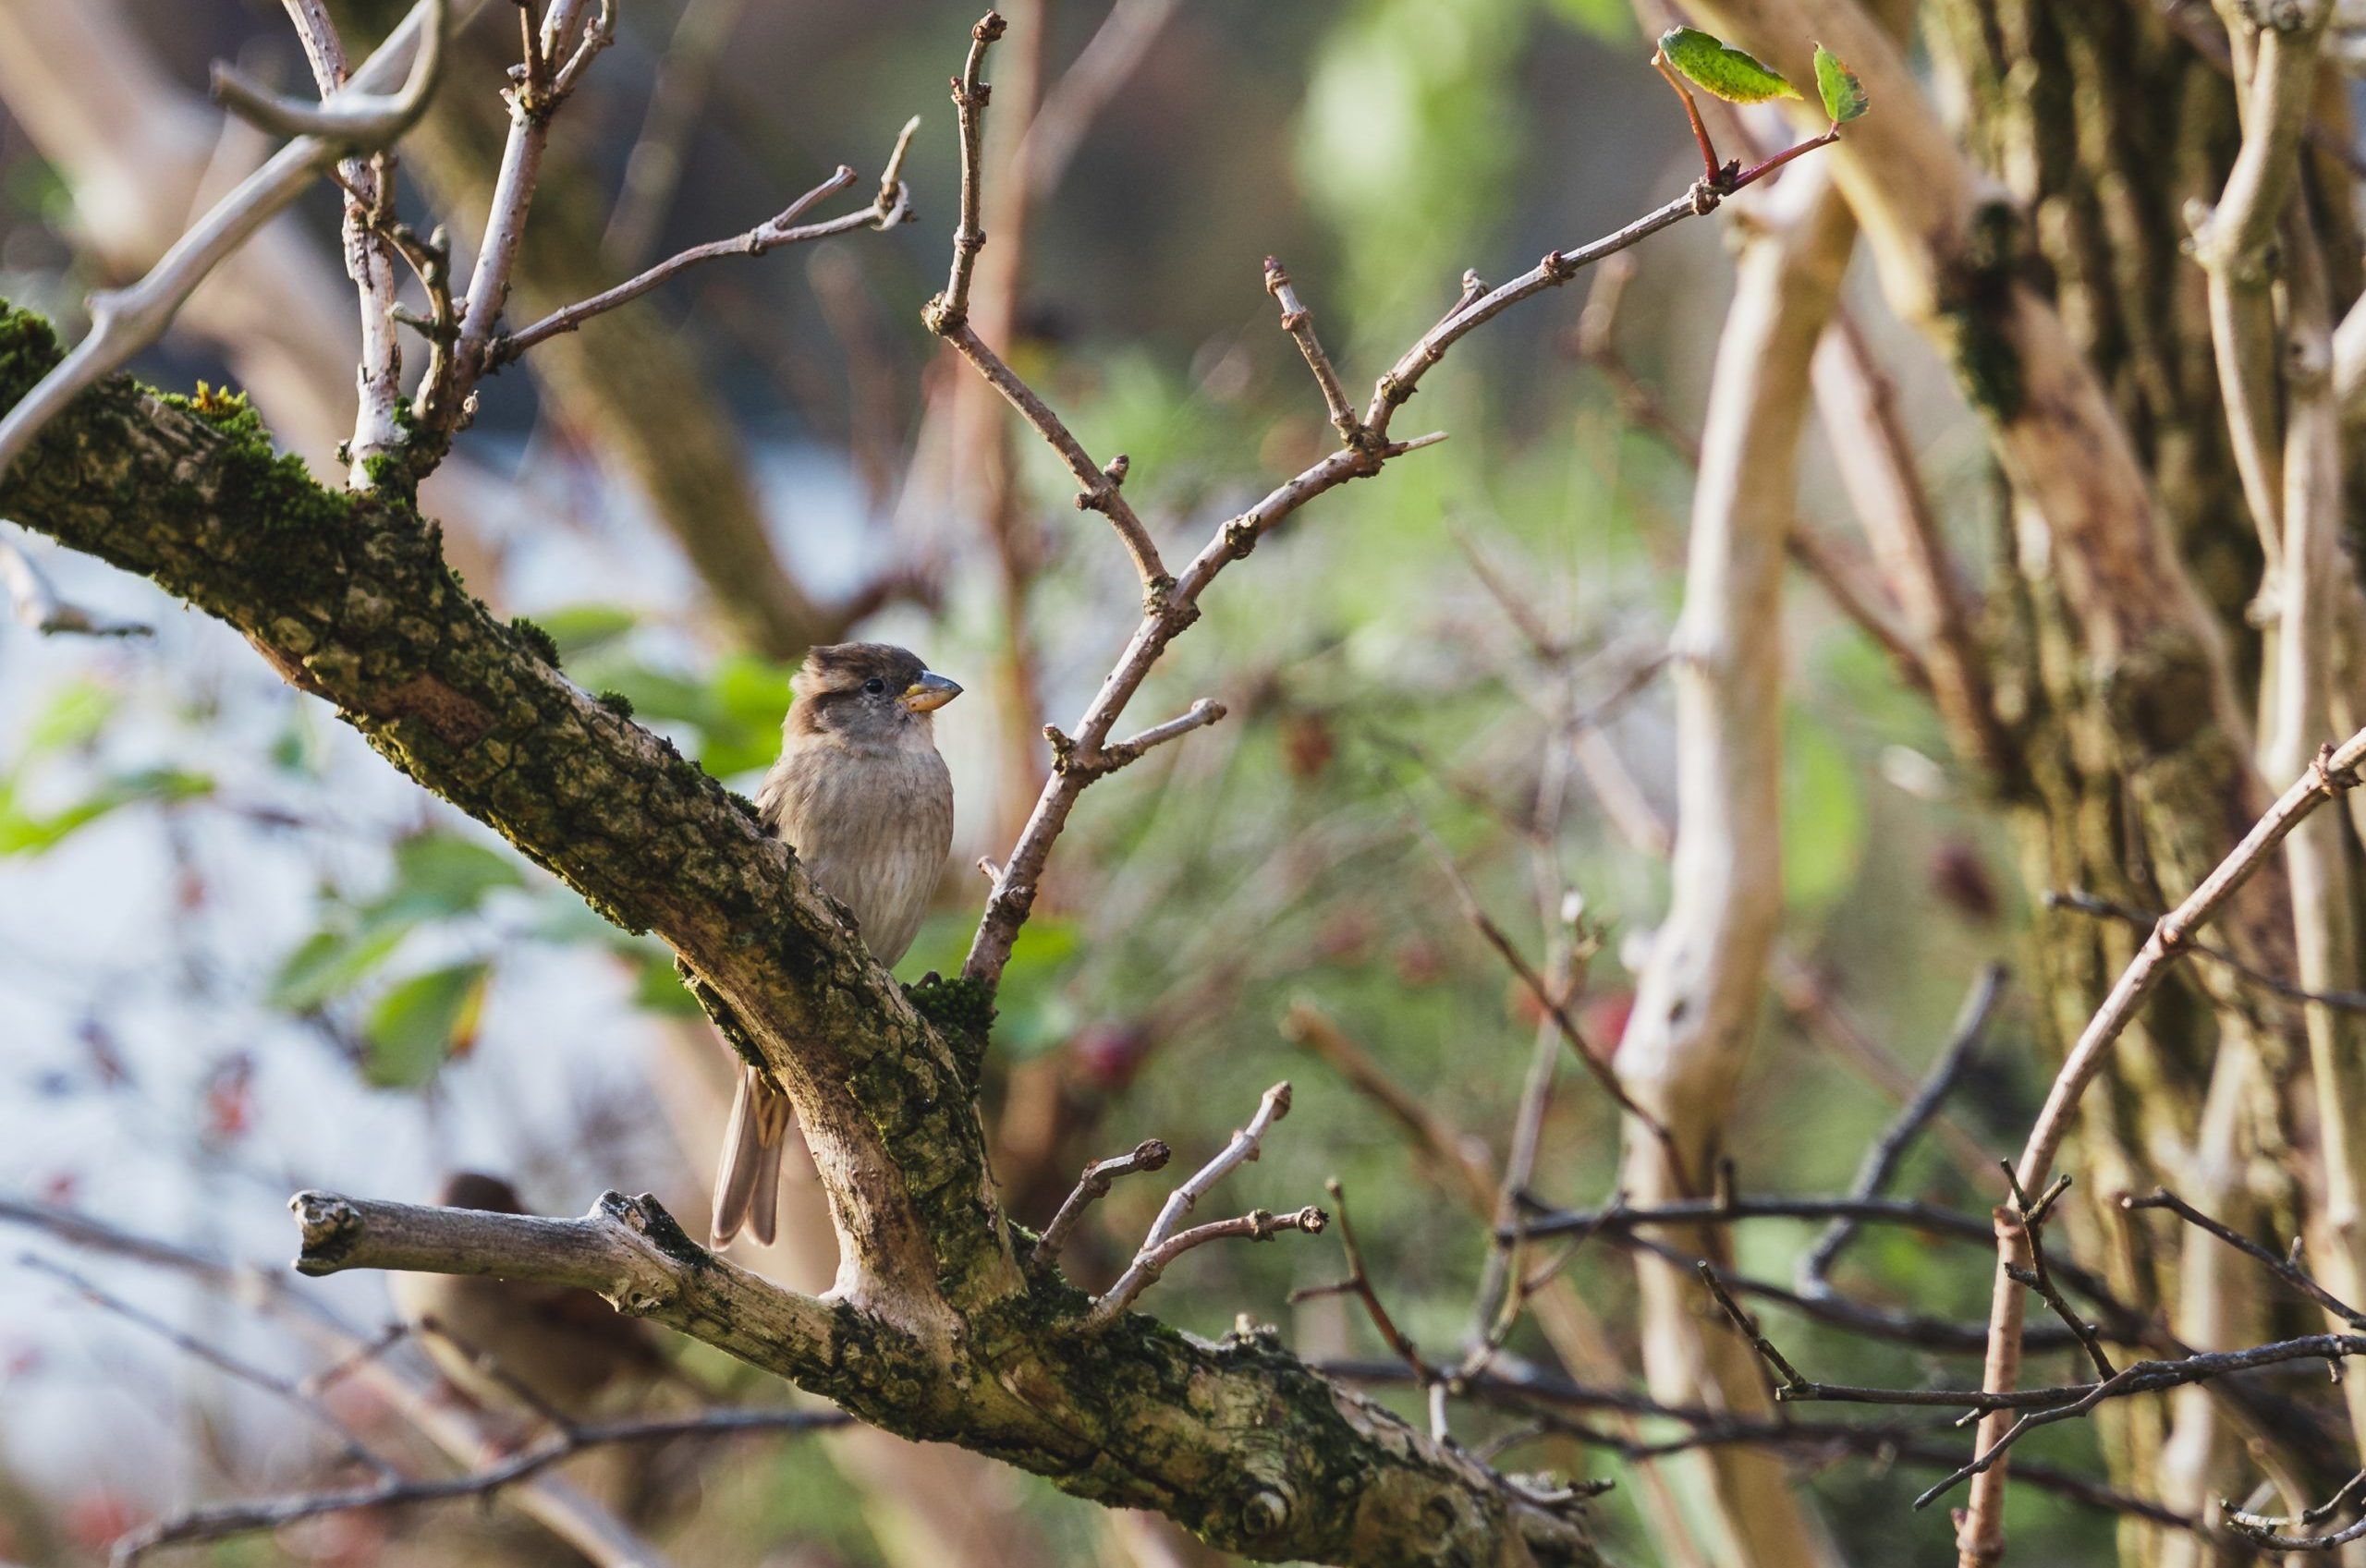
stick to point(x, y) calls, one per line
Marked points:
point(1698, 999)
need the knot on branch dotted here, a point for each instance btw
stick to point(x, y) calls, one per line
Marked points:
point(1067, 756)
point(1556, 268)
point(2331, 780)
point(1707, 195)
point(1158, 598)
point(328, 1226)
point(1266, 1513)
point(647, 1218)
point(940, 316)
point(1240, 537)
point(989, 27)
point(1102, 496)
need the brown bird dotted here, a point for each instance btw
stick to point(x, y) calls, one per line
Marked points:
point(861, 795)
point(510, 1344)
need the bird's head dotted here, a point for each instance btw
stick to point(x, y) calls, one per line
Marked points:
point(872, 692)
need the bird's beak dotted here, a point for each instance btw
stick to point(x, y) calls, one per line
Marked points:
point(929, 692)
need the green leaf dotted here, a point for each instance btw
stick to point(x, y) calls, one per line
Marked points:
point(1844, 95)
point(750, 698)
point(579, 628)
point(329, 963)
point(658, 988)
point(1033, 1010)
point(27, 833)
point(422, 1023)
point(71, 718)
point(1716, 67)
point(441, 874)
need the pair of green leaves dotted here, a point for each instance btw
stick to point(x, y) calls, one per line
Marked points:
point(1716, 67)
point(419, 1022)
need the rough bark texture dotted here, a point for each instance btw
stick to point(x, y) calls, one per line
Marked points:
point(2079, 333)
point(932, 1331)
point(2104, 125)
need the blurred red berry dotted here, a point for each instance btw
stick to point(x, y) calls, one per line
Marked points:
point(1419, 962)
point(1108, 1055)
point(1959, 877)
point(1603, 1019)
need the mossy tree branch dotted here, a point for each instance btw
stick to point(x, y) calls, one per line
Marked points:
point(932, 1329)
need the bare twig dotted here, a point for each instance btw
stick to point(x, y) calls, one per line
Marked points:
point(1747, 1326)
point(441, 407)
point(1359, 1283)
point(354, 116)
point(1154, 1254)
point(2332, 774)
point(290, 1394)
point(39, 608)
point(124, 321)
point(1442, 1146)
point(369, 259)
point(1170, 608)
point(2286, 1269)
point(1298, 321)
point(1596, 1064)
point(227, 1520)
point(2084, 903)
point(891, 207)
point(1550, 1399)
point(970, 94)
point(2268, 1530)
point(2038, 1278)
point(1244, 1147)
point(1148, 1155)
point(1258, 1225)
point(1069, 757)
point(1881, 1162)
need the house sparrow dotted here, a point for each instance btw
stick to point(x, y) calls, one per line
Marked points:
point(861, 795)
point(508, 1344)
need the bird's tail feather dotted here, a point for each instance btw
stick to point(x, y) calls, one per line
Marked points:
point(747, 1188)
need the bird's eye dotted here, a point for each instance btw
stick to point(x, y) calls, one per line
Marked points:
point(874, 686)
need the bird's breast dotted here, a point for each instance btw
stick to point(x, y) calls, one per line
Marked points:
point(873, 828)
